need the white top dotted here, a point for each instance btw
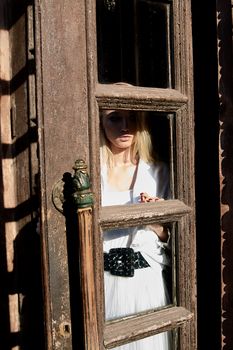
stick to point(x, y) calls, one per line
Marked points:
point(153, 179)
point(146, 290)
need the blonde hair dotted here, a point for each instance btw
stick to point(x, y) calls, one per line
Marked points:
point(141, 148)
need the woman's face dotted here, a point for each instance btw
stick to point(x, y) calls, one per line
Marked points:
point(120, 128)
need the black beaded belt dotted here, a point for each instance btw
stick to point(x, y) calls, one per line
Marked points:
point(123, 261)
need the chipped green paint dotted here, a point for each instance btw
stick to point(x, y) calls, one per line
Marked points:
point(82, 195)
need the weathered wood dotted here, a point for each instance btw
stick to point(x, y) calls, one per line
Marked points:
point(139, 98)
point(88, 280)
point(134, 328)
point(62, 46)
point(142, 214)
point(62, 109)
point(184, 167)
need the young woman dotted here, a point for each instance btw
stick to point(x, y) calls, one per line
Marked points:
point(134, 258)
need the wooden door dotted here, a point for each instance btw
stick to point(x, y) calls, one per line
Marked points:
point(71, 90)
point(59, 75)
point(53, 83)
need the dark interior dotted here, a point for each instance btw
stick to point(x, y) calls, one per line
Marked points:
point(207, 175)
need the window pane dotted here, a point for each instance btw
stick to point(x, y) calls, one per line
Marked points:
point(155, 146)
point(132, 172)
point(137, 265)
point(139, 262)
point(133, 40)
point(163, 341)
point(162, 130)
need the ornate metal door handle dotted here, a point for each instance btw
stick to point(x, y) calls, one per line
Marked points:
point(79, 188)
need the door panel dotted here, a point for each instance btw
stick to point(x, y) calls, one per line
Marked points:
point(62, 108)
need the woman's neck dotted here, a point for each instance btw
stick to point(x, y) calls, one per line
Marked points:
point(123, 158)
point(121, 175)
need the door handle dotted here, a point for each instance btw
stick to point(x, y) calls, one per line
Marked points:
point(79, 188)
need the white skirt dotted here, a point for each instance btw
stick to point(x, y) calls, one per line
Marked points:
point(126, 296)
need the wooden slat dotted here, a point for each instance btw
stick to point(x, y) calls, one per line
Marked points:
point(130, 329)
point(139, 98)
point(87, 271)
point(142, 214)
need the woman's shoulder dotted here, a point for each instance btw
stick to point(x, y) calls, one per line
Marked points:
point(155, 167)
point(158, 171)
point(153, 178)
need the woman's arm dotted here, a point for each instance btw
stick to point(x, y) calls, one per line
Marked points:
point(160, 230)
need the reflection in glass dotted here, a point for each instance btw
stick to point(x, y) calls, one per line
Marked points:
point(133, 41)
point(137, 260)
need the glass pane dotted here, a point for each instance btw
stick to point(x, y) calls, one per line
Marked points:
point(162, 341)
point(133, 40)
point(154, 132)
point(138, 260)
point(137, 264)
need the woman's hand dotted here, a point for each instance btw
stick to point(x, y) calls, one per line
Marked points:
point(145, 198)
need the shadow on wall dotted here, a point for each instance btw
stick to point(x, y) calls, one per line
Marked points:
point(23, 283)
point(26, 282)
point(21, 304)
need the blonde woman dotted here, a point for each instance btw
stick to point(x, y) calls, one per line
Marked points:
point(134, 258)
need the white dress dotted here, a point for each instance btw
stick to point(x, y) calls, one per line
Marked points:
point(146, 290)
